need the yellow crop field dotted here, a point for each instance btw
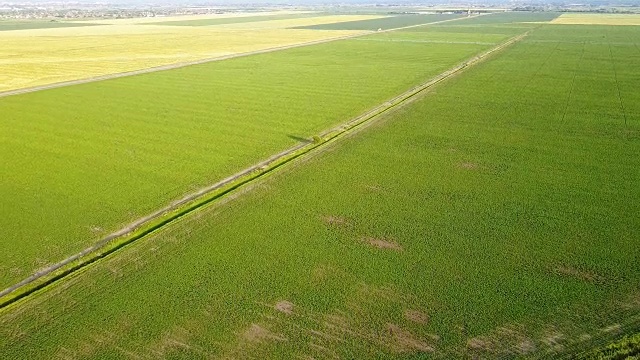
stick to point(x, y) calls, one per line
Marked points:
point(146, 20)
point(37, 57)
point(598, 19)
point(282, 24)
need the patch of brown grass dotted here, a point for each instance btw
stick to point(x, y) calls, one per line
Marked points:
point(382, 243)
point(573, 272)
point(554, 340)
point(416, 316)
point(632, 302)
point(403, 341)
point(257, 334)
point(373, 188)
point(503, 341)
point(284, 306)
point(334, 320)
point(615, 328)
point(468, 166)
point(335, 221)
point(480, 343)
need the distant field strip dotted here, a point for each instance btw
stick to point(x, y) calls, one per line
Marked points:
point(434, 33)
point(428, 41)
point(26, 25)
point(234, 20)
point(488, 219)
point(118, 149)
point(598, 19)
point(191, 202)
point(510, 17)
point(617, 43)
point(391, 22)
point(224, 15)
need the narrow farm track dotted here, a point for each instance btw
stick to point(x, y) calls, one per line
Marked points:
point(203, 61)
point(191, 202)
point(573, 82)
point(615, 73)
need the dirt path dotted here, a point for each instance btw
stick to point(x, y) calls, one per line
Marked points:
point(196, 62)
point(260, 169)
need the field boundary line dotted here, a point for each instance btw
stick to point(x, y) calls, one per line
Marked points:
point(191, 202)
point(206, 60)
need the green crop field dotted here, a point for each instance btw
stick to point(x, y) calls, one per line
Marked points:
point(508, 18)
point(486, 35)
point(88, 159)
point(385, 23)
point(25, 25)
point(494, 217)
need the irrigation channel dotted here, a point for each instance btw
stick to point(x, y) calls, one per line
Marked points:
point(204, 61)
point(191, 202)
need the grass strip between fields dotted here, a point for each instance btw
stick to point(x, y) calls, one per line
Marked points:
point(192, 202)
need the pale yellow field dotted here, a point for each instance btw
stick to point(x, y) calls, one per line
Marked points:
point(597, 19)
point(44, 56)
point(281, 24)
point(147, 20)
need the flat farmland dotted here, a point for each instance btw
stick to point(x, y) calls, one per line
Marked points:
point(598, 19)
point(102, 154)
point(37, 57)
point(494, 217)
point(224, 15)
point(235, 20)
point(383, 23)
point(482, 35)
point(506, 18)
point(6, 25)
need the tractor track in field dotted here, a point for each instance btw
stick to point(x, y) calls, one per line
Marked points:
point(184, 206)
point(204, 61)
